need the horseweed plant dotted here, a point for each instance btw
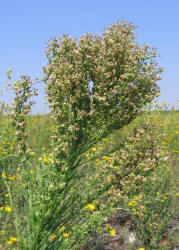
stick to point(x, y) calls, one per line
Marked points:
point(123, 79)
point(21, 107)
point(123, 76)
point(17, 159)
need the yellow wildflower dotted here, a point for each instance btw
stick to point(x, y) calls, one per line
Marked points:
point(87, 155)
point(132, 203)
point(98, 161)
point(62, 228)
point(93, 149)
point(141, 248)
point(113, 232)
point(45, 159)
point(13, 239)
point(165, 197)
point(3, 175)
point(136, 197)
point(10, 242)
point(90, 207)
point(6, 195)
point(177, 194)
point(7, 209)
point(65, 235)
point(11, 178)
point(176, 151)
point(10, 70)
point(106, 158)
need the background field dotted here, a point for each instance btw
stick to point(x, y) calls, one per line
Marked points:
point(40, 128)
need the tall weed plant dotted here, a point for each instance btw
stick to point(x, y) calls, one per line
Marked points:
point(95, 87)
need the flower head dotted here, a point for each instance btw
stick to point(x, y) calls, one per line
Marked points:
point(132, 203)
point(90, 207)
point(165, 197)
point(11, 178)
point(62, 228)
point(106, 158)
point(93, 149)
point(3, 175)
point(13, 239)
point(113, 232)
point(65, 235)
point(7, 209)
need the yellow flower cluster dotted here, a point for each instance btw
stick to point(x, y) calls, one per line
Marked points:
point(90, 207)
point(45, 159)
point(12, 240)
point(6, 209)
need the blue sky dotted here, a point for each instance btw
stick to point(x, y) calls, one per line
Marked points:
point(26, 27)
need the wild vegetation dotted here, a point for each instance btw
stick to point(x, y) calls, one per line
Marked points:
point(103, 151)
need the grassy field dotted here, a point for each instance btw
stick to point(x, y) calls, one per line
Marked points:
point(134, 170)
